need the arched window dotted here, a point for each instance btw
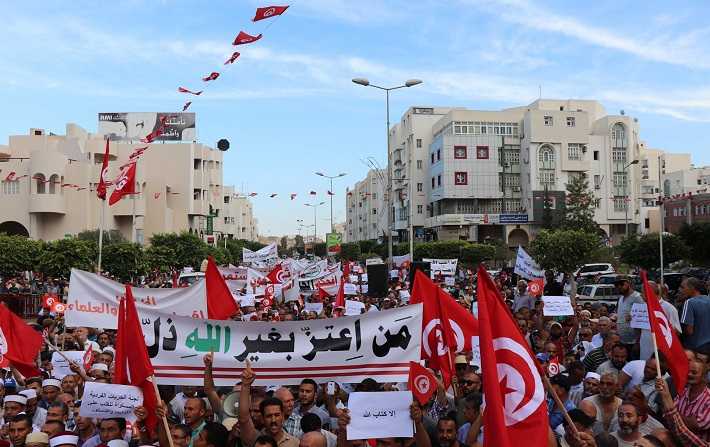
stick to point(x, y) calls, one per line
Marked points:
point(546, 159)
point(54, 184)
point(618, 135)
point(41, 183)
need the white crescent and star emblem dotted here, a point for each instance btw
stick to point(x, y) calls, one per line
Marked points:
point(665, 327)
point(520, 382)
point(3, 343)
point(434, 328)
point(269, 12)
point(422, 384)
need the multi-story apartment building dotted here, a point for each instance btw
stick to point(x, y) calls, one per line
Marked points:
point(52, 190)
point(366, 209)
point(237, 221)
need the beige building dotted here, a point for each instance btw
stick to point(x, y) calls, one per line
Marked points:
point(52, 190)
point(366, 209)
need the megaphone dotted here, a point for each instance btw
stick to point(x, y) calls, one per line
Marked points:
point(230, 405)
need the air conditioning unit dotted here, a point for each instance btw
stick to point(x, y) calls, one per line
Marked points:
point(516, 188)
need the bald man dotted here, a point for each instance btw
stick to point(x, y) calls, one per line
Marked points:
point(313, 439)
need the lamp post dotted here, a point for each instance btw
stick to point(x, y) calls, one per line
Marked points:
point(315, 223)
point(408, 83)
point(626, 195)
point(330, 191)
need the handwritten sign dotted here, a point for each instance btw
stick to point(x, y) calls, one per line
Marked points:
point(557, 306)
point(476, 351)
point(449, 281)
point(446, 267)
point(639, 316)
point(353, 307)
point(380, 415)
point(107, 400)
point(349, 289)
point(313, 307)
point(60, 366)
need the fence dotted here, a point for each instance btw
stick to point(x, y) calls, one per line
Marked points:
point(26, 305)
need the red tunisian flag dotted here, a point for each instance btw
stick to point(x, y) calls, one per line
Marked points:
point(232, 58)
point(125, 183)
point(277, 275)
point(244, 38)
point(516, 410)
point(666, 338)
point(103, 178)
point(211, 77)
point(19, 343)
point(268, 11)
point(132, 365)
point(220, 302)
point(447, 328)
point(422, 383)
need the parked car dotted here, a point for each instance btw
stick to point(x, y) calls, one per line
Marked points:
point(598, 293)
point(611, 279)
point(190, 278)
point(595, 269)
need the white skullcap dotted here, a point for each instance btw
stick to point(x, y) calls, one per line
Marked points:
point(52, 382)
point(109, 349)
point(22, 400)
point(29, 394)
point(99, 367)
point(593, 375)
point(64, 439)
point(117, 443)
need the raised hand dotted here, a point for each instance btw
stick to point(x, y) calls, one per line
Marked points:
point(248, 375)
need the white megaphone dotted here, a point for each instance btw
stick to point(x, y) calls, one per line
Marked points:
point(230, 405)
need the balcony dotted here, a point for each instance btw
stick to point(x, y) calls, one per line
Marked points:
point(47, 203)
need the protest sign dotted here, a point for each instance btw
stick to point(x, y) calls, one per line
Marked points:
point(556, 306)
point(398, 261)
point(449, 281)
point(476, 351)
point(353, 307)
point(639, 316)
point(93, 300)
point(313, 307)
point(349, 349)
point(260, 256)
point(380, 415)
point(446, 267)
point(526, 267)
point(349, 289)
point(60, 366)
point(108, 400)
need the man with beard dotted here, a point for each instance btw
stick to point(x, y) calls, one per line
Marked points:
point(471, 383)
point(307, 401)
point(629, 421)
point(271, 410)
point(109, 429)
point(591, 385)
point(619, 355)
point(601, 354)
point(446, 432)
point(603, 406)
point(629, 297)
point(50, 391)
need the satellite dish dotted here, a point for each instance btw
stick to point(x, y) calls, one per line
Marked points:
point(223, 144)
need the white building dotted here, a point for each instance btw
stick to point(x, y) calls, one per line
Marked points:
point(238, 221)
point(366, 217)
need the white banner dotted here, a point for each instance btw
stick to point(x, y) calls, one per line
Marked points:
point(379, 345)
point(526, 266)
point(446, 267)
point(60, 366)
point(353, 307)
point(556, 306)
point(108, 400)
point(93, 300)
point(262, 255)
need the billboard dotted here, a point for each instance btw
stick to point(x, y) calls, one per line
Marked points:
point(333, 241)
point(179, 126)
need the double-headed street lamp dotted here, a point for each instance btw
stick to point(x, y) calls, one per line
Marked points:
point(626, 195)
point(330, 193)
point(409, 83)
point(315, 223)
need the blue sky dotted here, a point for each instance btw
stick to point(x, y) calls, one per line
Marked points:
point(288, 105)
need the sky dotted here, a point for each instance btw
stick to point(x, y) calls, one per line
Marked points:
point(288, 105)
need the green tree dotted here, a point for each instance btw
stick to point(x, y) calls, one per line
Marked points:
point(563, 250)
point(697, 237)
point(189, 249)
point(160, 257)
point(299, 241)
point(320, 249)
point(58, 257)
point(370, 255)
point(473, 254)
point(367, 246)
point(644, 251)
point(548, 221)
point(124, 260)
point(579, 206)
point(110, 236)
point(423, 250)
point(18, 253)
point(350, 251)
point(221, 255)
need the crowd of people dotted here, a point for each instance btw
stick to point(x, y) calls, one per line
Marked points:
point(604, 372)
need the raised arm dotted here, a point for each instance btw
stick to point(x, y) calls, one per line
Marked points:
point(210, 391)
point(247, 431)
point(421, 437)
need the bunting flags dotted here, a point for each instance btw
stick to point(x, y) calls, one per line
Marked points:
point(232, 58)
point(186, 106)
point(268, 12)
point(125, 183)
point(211, 77)
point(11, 176)
point(244, 38)
point(184, 90)
point(273, 195)
point(293, 196)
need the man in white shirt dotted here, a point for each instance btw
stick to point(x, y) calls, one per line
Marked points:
point(603, 328)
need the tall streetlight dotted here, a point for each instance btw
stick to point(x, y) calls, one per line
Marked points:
point(330, 191)
point(626, 194)
point(409, 83)
point(315, 223)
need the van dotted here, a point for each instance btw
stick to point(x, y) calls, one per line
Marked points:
point(598, 293)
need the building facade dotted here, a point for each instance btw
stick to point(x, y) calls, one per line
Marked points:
point(686, 209)
point(238, 221)
point(366, 210)
point(49, 187)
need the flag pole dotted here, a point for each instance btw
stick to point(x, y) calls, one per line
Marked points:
point(661, 212)
point(164, 419)
point(655, 353)
point(559, 403)
point(101, 232)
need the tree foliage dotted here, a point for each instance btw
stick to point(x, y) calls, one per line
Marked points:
point(697, 237)
point(124, 260)
point(189, 249)
point(579, 206)
point(350, 251)
point(563, 250)
point(18, 254)
point(58, 257)
point(110, 236)
point(644, 251)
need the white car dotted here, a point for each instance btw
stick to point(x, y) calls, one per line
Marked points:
point(595, 269)
point(598, 293)
point(190, 277)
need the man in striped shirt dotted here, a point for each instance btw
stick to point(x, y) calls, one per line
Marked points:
point(694, 402)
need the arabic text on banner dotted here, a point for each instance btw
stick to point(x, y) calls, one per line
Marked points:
point(378, 345)
point(60, 366)
point(380, 415)
point(526, 266)
point(446, 267)
point(260, 256)
point(108, 400)
point(93, 300)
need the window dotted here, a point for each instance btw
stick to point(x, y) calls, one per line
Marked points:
point(619, 203)
point(420, 164)
point(570, 121)
point(460, 152)
point(438, 180)
point(41, 183)
point(374, 211)
point(461, 178)
point(618, 135)
point(55, 183)
point(596, 155)
point(420, 209)
point(546, 157)
point(419, 142)
point(597, 181)
point(374, 196)
point(226, 199)
point(420, 187)
point(482, 152)
point(433, 183)
point(11, 187)
point(432, 158)
point(438, 154)
point(574, 151)
point(548, 120)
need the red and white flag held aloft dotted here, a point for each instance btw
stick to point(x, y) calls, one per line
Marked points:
point(125, 183)
point(232, 58)
point(103, 177)
point(268, 12)
point(19, 343)
point(184, 90)
point(211, 77)
point(244, 38)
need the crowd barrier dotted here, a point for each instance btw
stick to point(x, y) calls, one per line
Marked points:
point(26, 305)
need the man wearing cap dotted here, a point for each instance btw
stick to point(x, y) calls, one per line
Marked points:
point(13, 405)
point(50, 391)
point(37, 439)
point(39, 415)
point(99, 371)
point(629, 336)
point(64, 439)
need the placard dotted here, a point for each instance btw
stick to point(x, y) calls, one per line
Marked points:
point(380, 415)
point(557, 306)
point(353, 307)
point(60, 366)
point(639, 316)
point(313, 307)
point(449, 281)
point(349, 289)
point(108, 400)
point(476, 351)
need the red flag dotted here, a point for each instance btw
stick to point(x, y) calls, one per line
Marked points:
point(535, 287)
point(422, 383)
point(132, 365)
point(11, 177)
point(176, 275)
point(88, 358)
point(322, 293)
point(103, 177)
point(244, 38)
point(156, 195)
point(276, 274)
point(211, 77)
point(220, 302)
point(19, 343)
point(268, 12)
point(293, 196)
point(516, 410)
point(186, 106)
point(447, 328)
point(125, 184)
point(184, 90)
point(666, 338)
point(253, 194)
point(232, 58)
point(340, 296)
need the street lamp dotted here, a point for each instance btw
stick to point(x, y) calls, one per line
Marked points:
point(315, 223)
point(626, 195)
point(330, 191)
point(409, 83)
